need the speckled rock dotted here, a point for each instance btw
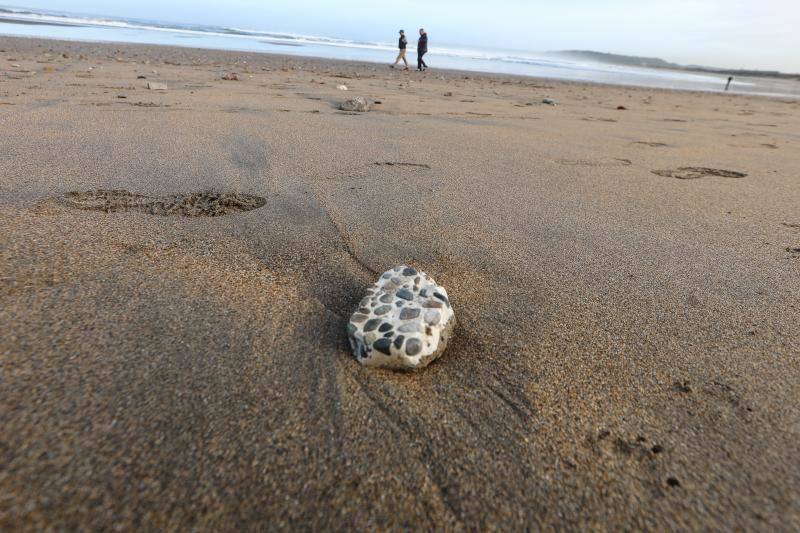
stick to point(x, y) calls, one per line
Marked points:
point(403, 322)
point(357, 103)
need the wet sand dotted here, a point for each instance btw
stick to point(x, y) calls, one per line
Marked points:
point(626, 355)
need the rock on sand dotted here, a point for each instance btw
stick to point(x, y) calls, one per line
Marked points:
point(403, 322)
point(357, 103)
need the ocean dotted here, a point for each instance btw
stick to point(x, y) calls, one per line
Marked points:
point(60, 25)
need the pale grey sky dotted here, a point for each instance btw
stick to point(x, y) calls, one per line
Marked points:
point(762, 34)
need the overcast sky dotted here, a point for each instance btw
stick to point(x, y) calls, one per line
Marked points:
point(761, 34)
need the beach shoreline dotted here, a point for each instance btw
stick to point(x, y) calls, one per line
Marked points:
point(623, 267)
point(748, 85)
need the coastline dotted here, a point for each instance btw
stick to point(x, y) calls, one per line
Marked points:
point(691, 79)
point(219, 55)
point(625, 354)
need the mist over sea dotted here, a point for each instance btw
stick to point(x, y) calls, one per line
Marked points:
point(61, 25)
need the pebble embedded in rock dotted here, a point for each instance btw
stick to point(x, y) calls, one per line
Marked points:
point(372, 324)
point(424, 324)
point(409, 313)
point(405, 294)
point(383, 345)
point(413, 346)
point(432, 317)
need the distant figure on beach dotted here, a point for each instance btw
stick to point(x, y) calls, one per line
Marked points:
point(730, 79)
point(422, 49)
point(401, 44)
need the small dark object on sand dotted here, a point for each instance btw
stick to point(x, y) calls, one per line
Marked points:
point(622, 107)
point(141, 77)
point(232, 76)
point(549, 101)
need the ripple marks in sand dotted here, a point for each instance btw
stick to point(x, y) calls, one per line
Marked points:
point(200, 204)
point(693, 173)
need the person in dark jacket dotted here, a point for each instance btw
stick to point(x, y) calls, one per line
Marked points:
point(422, 49)
point(401, 44)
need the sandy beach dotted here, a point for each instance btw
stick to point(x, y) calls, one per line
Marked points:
point(627, 354)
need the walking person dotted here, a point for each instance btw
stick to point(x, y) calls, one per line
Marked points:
point(730, 79)
point(401, 44)
point(422, 49)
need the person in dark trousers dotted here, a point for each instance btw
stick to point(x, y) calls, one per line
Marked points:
point(401, 44)
point(422, 49)
point(730, 79)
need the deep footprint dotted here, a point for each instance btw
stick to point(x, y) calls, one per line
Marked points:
point(693, 173)
point(201, 204)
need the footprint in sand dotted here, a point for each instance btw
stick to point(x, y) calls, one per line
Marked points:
point(202, 204)
point(602, 162)
point(650, 143)
point(794, 250)
point(403, 164)
point(693, 173)
point(145, 104)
